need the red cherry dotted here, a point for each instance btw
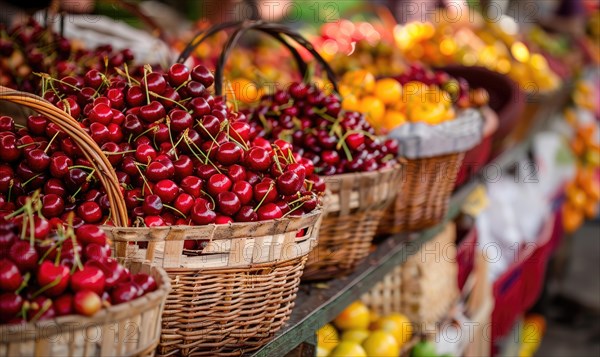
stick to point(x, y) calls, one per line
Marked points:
point(10, 305)
point(223, 219)
point(203, 75)
point(87, 303)
point(101, 113)
point(63, 305)
point(90, 212)
point(228, 203)
point(239, 131)
point(243, 191)
point(258, 159)
point(152, 112)
point(236, 173)
point(210, 127)
point(206, 171)
point(124, 292)
point(355, 141)
point(152, 205)
point(116, 98)
point(23, 255)
point(145, 282)
point(154, 221)
point(269, 211)
point(180, 120)
point(183, 167)
point(289, 183)
point(52, 205)
point(93, 78)
point(41, 308)
point(94, 251)
point(154, 82)
point(265, 192)
point(183, 203)
point(36, 124)
point(8, 149)
point(10, 277)
point(178, 74)
point(53, 279)
point(199, 107)
point(167, 190)
point(202, 215)
point(192, 185)
point(246, 214)
point(90, 278)
point(89, 233)
point(218, 183)
point(59, 165)
point(229, 153)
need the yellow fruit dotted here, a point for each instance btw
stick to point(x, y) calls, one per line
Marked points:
point(327, 337)
point(393, 119)
point(348, 349)
point(396, 324)
point(360, 79)
point(321, 352)
point(430, 113)
point(374, 109)
point(355, 335)
point(381, 343)
point(351, 103)
point(355, 316)
point(388, 90)
point(242, 90)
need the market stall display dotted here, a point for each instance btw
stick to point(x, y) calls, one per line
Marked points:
point(275, 178)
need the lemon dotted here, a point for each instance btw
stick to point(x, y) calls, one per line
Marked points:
point(396, 324)
point(348, 349)
point(381, 344)
point(355, 335)
point(355, 316)
point(327, 337)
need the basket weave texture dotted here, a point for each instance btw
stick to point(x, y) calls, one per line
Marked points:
point(426, 187)
point(355, 206)
point(128, 329)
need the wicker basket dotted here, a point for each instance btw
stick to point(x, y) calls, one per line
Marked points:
point(229, 298)
point(356, 204)
point(427, 185)
point(129, 329)
point(429, 279)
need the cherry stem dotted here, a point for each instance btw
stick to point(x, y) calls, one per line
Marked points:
point(168, 121)
point(212, 200)
point(176, 210)
point(45, 307)
point(50, 142)
point(146, 81)
point(24, 283)
point(293, 209)
point(344, 146)
point(206, 158)
point(169, 100)
point(264, 197)
point(146, 184)
point(46, 287)
point(31, 179)
point(107, 153)
point(83, 167)
point(26, 145)
point(152, 128)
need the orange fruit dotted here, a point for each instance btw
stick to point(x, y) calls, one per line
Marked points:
point(590, 209)
point(381, 343)
point(373, 108)
point(355, 335)
point(242, 90)
point(577, 198)
point(351, 103)
point(354, 316)
point(388, 90)
point(427, 112)
point(360, 79)
point(392, 119)
point(572, 218)
point(577, 146)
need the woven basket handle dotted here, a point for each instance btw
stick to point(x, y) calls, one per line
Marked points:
point(88, 146)
point(204, 34)
point(276, 31)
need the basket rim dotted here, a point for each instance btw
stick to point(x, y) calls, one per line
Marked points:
point(353, 175)
point(10, 333)
point(220, 228)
